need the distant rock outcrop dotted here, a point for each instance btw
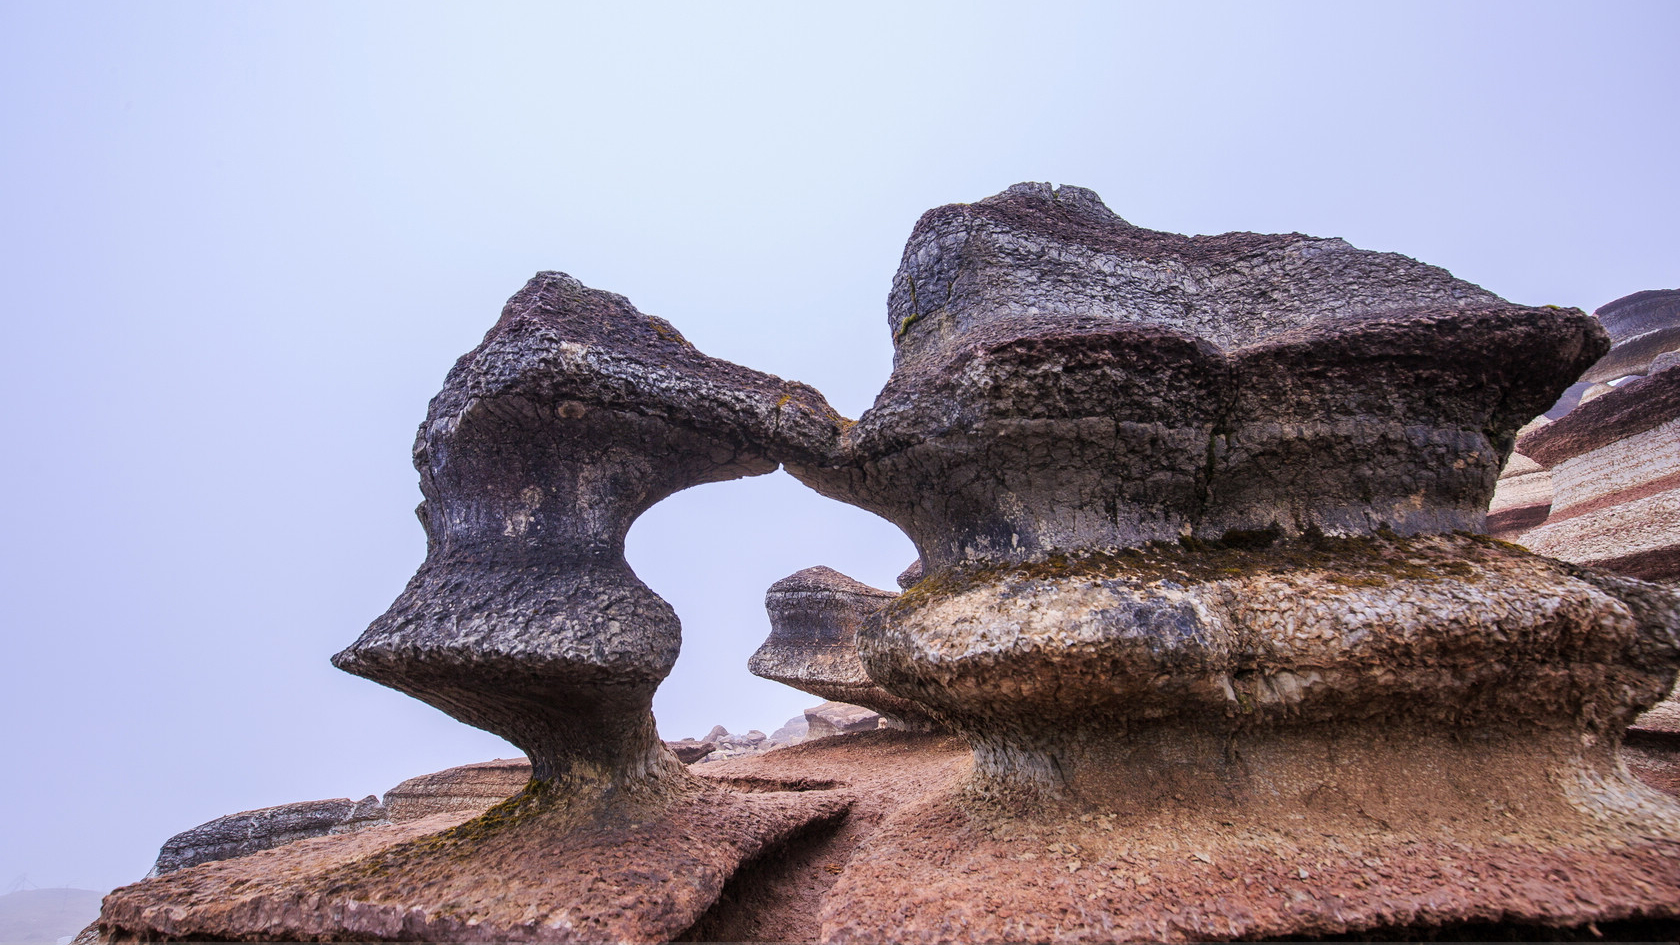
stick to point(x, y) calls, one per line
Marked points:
point(249, 831)
point(814, 620)
point(838, 718)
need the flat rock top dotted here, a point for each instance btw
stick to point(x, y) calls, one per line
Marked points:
point(1035, 251)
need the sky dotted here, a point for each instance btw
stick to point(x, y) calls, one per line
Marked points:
point(241, 244)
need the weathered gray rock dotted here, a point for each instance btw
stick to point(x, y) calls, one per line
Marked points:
point(249, 831)
point(1064, 380)
point(576, 414)
point(1615, 470)
point(838, 718)
point(474, 787)
point(814, 620)
point(1197, 517)
point(1643, 327)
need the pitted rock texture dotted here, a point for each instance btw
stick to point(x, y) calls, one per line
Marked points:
point(472, 788)
point(575, 415)
point(1041, 664)
point(1643, 327)
point(250, 831)
point(814, 619)
point(1064, 380)
point(1615, 471)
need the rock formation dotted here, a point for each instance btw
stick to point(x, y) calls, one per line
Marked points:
point(1643, 327)
point(1197, 518)
point(1200, 583)
point(814, 619)
point(1521, 500)
point(839, 718)
point(249, 831)
point(1615, 470)
point(473, 788)
point(576, 414)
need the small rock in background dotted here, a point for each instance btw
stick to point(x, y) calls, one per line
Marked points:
point(690, 750)
point(838, 718)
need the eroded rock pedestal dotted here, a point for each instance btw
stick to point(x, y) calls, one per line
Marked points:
point(1197, 520)
point(814, 620)
point(575, 415)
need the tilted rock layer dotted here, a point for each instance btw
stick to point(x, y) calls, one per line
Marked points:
point(1615, 469)
point(236, 835)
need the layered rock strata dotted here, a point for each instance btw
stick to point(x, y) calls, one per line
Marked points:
point(470, 788)
point(814, 620)
point(1521, 500)
point(1643, 327)
point(236, 835)
point(1198, 521)
point(576, 414)
point(1615, 469)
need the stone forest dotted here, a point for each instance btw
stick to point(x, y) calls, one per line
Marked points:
point(1268, 588)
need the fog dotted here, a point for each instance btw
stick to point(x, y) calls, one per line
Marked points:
point(244, 242)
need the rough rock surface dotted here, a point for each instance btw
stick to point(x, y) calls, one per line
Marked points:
point(471, 788)
point(1065, 380)
point(576, 414)
point(1615, 469)
point(814, 619)
point(1643, 327)
point(1197, 516)
point(548, 865)
point(249, 831)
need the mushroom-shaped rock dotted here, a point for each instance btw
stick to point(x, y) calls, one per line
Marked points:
point(1643, 327)
point(1199, 522)
point(814, 620)
point(575, 415)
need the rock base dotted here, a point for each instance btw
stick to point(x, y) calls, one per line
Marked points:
point(540, 867)
point(1363, 834)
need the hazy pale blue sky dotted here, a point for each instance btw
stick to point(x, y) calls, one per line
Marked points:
point(241, 243)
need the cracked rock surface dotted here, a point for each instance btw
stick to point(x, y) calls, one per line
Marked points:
point(814, 620)
point(576, 414)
